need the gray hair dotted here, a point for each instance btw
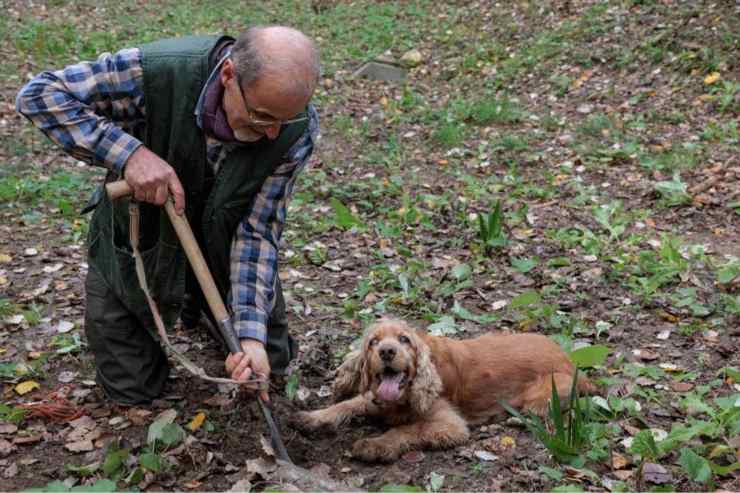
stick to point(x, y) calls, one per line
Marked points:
point(278, 51)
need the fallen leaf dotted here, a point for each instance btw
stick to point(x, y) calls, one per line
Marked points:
point(26, 387)
point(6, 448)
point(64, 326)
point(15, 320)
point(138, 416)
point(624, 475)
point(655, 473)
point(681, 386)
point(260, 467)
point(32, 438)
point(67, 376)
point(85, 422)
point(30, 252)
point(241, 486)
point(81, 446)
point(50, 269)
point(508, 442)
point(645, 355)
point(664, 334)
point(5, 258)
point(218, 400)
point(10, 471)
point(197, 421)
point(497, 305)
point(267, 446)
point(485, 456)
point(192, 485)
point(711, 336)
point(711, 78)
point(7, 428)
point(619, 461)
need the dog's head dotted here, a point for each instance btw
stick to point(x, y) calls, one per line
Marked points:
point(397, 367)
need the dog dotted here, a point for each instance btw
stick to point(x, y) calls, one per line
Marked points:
point(430, 388)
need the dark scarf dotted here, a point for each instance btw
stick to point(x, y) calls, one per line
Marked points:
point(214, 116)
point(215, 123)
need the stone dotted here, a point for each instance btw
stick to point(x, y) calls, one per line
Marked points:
point(381, 71)
point(412, 58)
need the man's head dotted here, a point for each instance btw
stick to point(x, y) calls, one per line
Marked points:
point(269, 79)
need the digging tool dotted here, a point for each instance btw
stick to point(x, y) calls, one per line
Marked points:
point(121, 188)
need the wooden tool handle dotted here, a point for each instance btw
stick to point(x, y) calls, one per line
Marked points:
point(118, 189)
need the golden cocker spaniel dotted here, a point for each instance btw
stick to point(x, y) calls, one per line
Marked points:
point(429, 388)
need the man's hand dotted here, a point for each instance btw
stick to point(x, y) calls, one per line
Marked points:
point(253, 360)
point(153, 179)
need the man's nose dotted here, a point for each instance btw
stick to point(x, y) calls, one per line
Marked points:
point(272, 131)
point(387, 353)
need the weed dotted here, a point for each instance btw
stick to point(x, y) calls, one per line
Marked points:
point(449, 135)
point(611, 217)
point(565, 432)
point(7, 308)
point(491, 229)
point(673, 192)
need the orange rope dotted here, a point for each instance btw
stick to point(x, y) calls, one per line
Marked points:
point(55, 407)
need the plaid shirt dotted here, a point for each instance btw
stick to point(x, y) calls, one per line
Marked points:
point(89, 109)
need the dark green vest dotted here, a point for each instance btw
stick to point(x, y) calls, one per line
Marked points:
point(175, 71)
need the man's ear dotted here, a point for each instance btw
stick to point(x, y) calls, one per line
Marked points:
point(228, 71)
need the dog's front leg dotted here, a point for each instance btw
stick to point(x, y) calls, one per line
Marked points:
point(336, 415)
point(443, 427)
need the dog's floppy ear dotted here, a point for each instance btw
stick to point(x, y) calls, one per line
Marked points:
point(347, 379)
point(427, 384)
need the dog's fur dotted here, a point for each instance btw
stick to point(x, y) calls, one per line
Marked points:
point(446, 385)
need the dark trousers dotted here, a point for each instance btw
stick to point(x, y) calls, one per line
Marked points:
point(131, 366)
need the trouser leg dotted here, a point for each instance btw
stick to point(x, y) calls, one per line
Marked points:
point(281, 347)
point(131, 366)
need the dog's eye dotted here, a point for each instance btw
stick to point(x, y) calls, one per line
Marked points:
point(373, 342)
point(404, 340)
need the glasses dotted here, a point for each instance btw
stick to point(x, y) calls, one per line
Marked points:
point(259, 119)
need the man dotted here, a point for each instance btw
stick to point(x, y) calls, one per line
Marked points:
point(224, 126)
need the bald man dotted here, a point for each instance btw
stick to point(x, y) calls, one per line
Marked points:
point(224, 126)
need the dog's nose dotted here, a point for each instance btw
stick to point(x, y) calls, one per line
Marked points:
point(387, 353)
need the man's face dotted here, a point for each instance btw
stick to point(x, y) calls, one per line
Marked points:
point(259, 110)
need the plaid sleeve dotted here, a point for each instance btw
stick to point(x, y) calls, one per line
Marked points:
point(254, 251)
point(89, 108)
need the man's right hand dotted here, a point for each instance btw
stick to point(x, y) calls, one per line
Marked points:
point(153, 179)
point(252, 361)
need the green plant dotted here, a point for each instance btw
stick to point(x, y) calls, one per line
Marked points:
point(612, 218)
point(657, 269)
point(449, 134)
point(7, 308)
point(725, 93)
point(674, 191)
point(491, 228)
point(98, 486)
point(565, 432)
point(11, 414)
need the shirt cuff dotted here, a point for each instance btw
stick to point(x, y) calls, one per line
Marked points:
point(251, 325)
point(115, 148)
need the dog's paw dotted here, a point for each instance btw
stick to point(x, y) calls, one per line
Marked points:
point(311, 421)
point(375, 450)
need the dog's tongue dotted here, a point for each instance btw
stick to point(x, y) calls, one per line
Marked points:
point(389, 388)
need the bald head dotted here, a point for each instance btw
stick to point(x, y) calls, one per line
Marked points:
point(285, 56)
